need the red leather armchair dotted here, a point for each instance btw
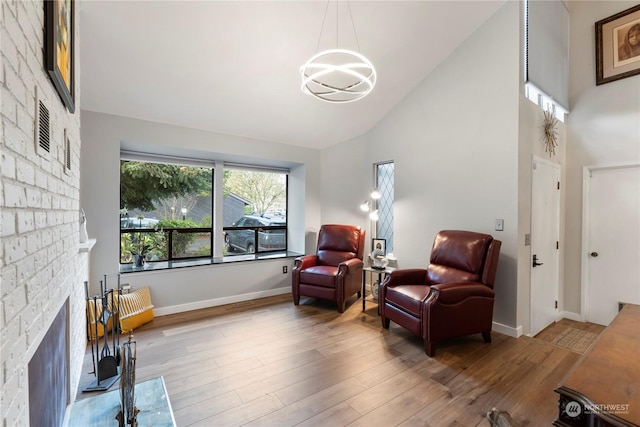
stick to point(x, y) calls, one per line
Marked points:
point(452, 297)
point(335, 272)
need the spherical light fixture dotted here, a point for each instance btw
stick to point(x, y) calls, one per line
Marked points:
point(338, 76)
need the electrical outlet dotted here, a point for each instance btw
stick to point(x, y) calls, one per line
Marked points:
point(499, 224)
point(285, 269)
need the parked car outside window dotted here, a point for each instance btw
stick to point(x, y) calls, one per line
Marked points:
point(268, 240)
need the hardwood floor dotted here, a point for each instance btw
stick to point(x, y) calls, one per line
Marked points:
point(270, 363)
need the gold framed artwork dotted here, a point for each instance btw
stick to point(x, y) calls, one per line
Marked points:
point(618, 46)
point(58, 40)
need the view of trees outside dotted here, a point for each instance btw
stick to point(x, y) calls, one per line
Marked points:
point(159, 196)
point(143, 185)
point(156, 196)
point(265, 191)
point(254, 201)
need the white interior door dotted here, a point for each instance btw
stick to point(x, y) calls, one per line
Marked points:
point(612, 255)
point(545, 225)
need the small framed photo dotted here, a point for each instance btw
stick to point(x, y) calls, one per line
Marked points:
point(59, 55)
point(618, 46)
point(379, 245)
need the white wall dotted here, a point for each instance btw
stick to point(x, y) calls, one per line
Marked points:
point(603, 126)
point(193, 287)
point(346, 181)
point(462, 143)
point(40, 263)
point(531, 144)
point(467, 135)
point(454, 141)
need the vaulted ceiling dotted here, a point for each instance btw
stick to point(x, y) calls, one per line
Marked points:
point(232, 67)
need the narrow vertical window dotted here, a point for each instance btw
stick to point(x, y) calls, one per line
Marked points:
point(384, 176)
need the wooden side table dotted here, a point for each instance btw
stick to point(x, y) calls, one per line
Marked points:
point(381, 274)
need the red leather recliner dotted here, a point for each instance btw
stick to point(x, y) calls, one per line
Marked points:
point(453, 297)
point(335, 272)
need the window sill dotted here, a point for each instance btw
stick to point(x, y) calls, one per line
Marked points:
point(169, 265)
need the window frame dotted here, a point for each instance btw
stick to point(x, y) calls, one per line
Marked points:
point(169, 232)
point(389, 238)
point(259, 226)
point(216, 196)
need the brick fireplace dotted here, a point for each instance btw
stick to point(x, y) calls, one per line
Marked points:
point(42, 267)
point(49, 374)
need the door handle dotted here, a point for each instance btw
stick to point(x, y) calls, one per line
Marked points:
point(535, 261)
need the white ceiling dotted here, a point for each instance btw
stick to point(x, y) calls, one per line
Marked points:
point(232, 67)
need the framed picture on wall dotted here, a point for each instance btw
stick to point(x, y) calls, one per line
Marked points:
point(379, 246)
point(618, 46)
point(58, 48)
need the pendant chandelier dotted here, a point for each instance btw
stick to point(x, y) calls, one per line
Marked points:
point(338, 75)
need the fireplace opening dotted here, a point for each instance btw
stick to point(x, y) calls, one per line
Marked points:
point(49, 374)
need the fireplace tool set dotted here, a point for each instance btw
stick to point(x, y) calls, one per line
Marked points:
point(103, 319)
point(128, 411)
point(111, 361)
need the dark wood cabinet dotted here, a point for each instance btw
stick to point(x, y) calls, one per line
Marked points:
point(603, 388)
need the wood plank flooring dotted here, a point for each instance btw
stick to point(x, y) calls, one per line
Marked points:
point(270, 363)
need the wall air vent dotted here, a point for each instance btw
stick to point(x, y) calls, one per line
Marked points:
point(67, 152)
point(44, 133)
point(42, 128)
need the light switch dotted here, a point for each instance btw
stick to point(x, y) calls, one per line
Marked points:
point(499, 224)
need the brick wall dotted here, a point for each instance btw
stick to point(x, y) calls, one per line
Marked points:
point(40, 265)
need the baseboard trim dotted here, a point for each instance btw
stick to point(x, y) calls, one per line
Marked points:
point(181, 308)
point(571, 316)
point(507, 330)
